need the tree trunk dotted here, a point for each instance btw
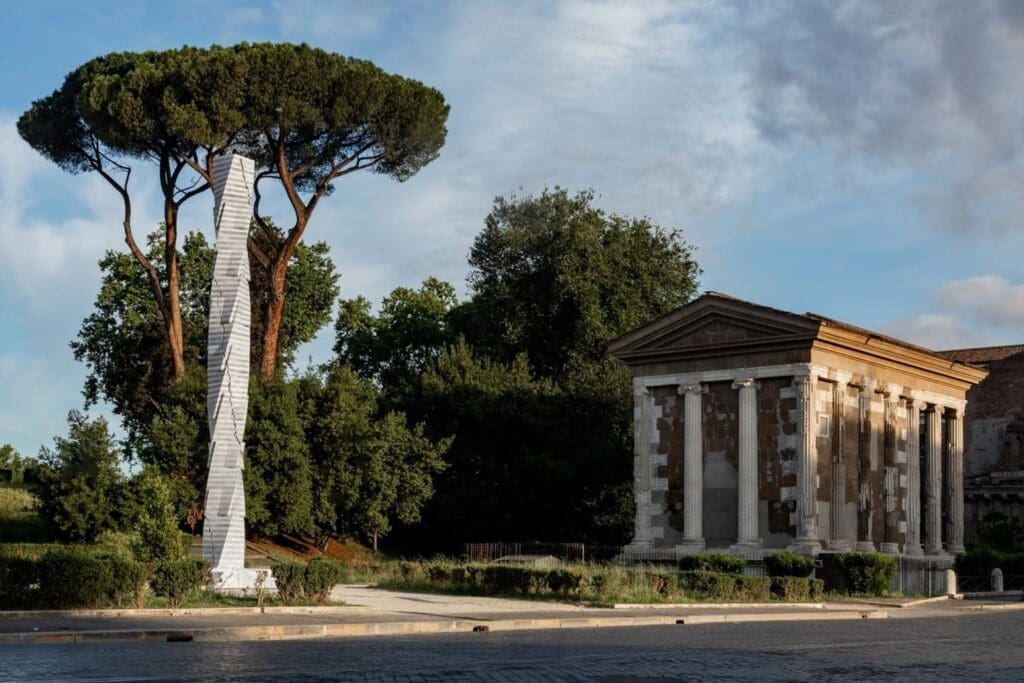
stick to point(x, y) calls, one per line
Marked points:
point(273, 308)
point(174, 327)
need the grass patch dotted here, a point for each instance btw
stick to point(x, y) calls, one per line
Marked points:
point(214, 599)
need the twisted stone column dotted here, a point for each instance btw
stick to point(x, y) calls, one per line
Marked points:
point(807, 464)
point(748, 537)
point(228, 371)
point(913, 540)
point(890, 472)
point(865, 503)
point(933, 484)
point(837, 510)
point(693, 470)
point(955, 483)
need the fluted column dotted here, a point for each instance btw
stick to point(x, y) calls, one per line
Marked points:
point(955, 483)
point(933, 482)
point(913, 542)
point(890, 472)
point(807, 467)
point(837, 509)
point(643, 410)
point(693, 470)
point(866, 455)
point(748, 537)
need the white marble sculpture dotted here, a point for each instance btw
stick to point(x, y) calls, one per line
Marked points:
point(227, 397)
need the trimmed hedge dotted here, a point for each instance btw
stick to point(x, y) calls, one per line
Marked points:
point(788, 563)
point(797, 589)
point(721, 587)
point(289, 576)
point(321, 575)
point(980, 561)
point(67, 578)
point(179, 580)
point(712, 562)
point(857, 573)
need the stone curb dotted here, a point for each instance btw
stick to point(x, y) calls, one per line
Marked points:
point(994, 608)
point(188, 611)
point(891, 605)
point(717, 605)
point(305, 631)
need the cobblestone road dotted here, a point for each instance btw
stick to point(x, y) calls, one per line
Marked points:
point(984, 646)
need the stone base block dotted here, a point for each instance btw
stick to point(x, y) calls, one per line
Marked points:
point(837, 545)
point(890, 548)
point(913, 550)
point(866, 547)
point(805, 546)
point(748, 549)
point(240, 580)
point(689, 546)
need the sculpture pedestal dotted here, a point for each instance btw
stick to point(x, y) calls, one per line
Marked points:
point(240, 580)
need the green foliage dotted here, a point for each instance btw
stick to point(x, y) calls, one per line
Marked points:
point(72, 578)
point(321, 575)
point(369, 469)
point(12, 461)
point(153, 518)
point(796, 589)
point(557, 278)
point(1000, 531)
point(180, 580)
point(80, 482)
point(981, 560)
point(290, 577)
point(857, 573)
point(278, 484)
point(18, 581)
point(402, 341)
point(788, 563)
point(712, 562)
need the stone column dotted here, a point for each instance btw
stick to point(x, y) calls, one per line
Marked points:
point(643, 411)
point(837, 515)
point(807, 467)
point(913, 540)
point(748, 537)
point(955, 483)
point(890, 472)
point(933, 483)
point(865, 456)
point(693, 470)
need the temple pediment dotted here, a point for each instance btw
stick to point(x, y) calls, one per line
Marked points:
point(714, 321)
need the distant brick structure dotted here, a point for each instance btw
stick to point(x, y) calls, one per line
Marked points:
point(994, 435)
point(760, 429)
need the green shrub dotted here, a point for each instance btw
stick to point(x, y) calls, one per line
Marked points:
point(858, 573)
point(981, 560)
point(712, 562)
point(787, 563)
point(752, 589)
point(705, 585)
point(179, 580)
point(289, 576)
point(18, 582)
point(321, 575)
point(797, 589)
point(568, 583)
point(72, 577)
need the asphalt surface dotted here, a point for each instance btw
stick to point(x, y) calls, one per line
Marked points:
point(982, 646)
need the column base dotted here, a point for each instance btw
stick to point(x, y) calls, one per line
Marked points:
point(866, 547)
point(932, 551)
point(890, 548)
point(750, 548)
point(838, 545)
point(955, 549)
point(641, 544)
point(914, 550)
point(689, 546)
point(805, 546)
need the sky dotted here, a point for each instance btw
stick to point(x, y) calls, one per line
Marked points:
point(861, 160)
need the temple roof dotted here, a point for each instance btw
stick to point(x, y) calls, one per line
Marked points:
point(983, 355)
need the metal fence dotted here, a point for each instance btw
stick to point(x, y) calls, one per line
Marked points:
point(566, 553)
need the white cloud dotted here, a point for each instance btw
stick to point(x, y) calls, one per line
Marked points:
point(986, 299)
point(935, 331)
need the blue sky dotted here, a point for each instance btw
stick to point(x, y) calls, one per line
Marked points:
point(861, 160)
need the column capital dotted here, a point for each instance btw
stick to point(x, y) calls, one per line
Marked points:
point(805, 378)
point(956, 412)
point(690, 388)
point(641, 391)
point(748, 383)
point(892, 392)
point(868, 385)
point(935, 408)
point(915, 403)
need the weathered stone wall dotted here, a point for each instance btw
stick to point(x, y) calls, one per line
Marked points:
point(721, 433)
point(670, 452)
point(776, 459)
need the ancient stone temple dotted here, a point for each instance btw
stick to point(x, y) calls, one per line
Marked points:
point(758, 429)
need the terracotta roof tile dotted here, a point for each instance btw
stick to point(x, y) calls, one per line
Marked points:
point(983, 354)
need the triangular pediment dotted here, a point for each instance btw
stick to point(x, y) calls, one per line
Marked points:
point(713, 320)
